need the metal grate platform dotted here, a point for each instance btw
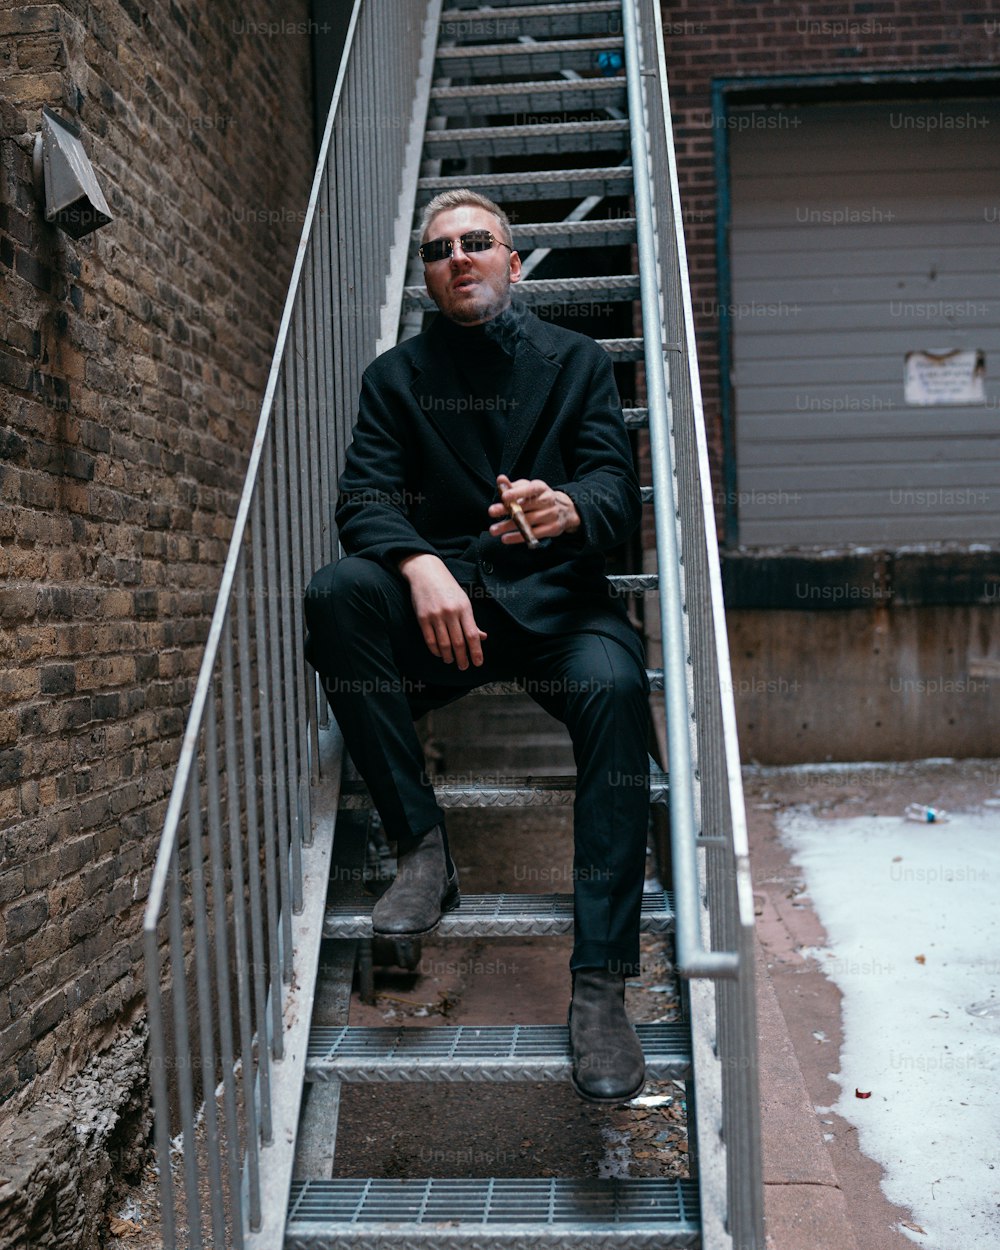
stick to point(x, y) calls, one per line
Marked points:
point(495, 1053)
point(513, 1212)
point(500, 915)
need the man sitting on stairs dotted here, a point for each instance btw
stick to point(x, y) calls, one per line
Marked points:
point(440, 592)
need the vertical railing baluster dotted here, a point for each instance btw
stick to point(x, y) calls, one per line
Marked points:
point(291, 851)
point(220, 925)
point(276, 838)
point(182, 1050)
point(245, 971)
point(203, 983)
point(299, 468)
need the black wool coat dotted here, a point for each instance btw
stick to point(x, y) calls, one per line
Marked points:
point(417, 477)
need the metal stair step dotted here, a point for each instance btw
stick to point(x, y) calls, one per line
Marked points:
point(517, 1213)
point(563, 95)
point(653, 675)
point(499, 915)
point(603, 232)
point(635, 582)
point(555, 21)
point(496, 1053)
point(552, 137)
point(524, 60)
point(636, 418)
point(622, 349)
point(547, 184)
point(557, 791)
point(552, 291)
point(484, 7)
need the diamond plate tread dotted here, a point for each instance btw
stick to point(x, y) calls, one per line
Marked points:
point(603, 232)
point(613, 289)
point(634, 581)
point(622, 349)
point(506, 791)
point(554, 21)
point(653, 675)
point(496, 1053)
point(636, 418)
point(555, 137)
point(516, 1213)
point(551, 184)
point(565, 95)
point(500, 915)
point(520, 60)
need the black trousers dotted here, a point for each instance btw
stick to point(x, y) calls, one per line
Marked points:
point(379, 676)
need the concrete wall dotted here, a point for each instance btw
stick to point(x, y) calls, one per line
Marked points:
point(132, 366)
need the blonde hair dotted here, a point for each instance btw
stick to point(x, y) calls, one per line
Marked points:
point(446, 200)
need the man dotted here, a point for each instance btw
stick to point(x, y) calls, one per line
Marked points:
point(439, 593)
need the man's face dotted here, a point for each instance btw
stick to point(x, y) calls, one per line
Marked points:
point(475, 288)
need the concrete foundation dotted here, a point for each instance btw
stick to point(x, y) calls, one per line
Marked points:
point(873, 683)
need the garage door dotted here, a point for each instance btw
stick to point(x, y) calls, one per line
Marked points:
point(865, 243)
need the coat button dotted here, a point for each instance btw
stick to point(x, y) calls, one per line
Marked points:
point(487, 567)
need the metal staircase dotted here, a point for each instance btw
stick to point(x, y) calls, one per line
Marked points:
point(560, 112)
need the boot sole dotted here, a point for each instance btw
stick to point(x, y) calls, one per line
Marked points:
point(451, 900)
point(614, 1100)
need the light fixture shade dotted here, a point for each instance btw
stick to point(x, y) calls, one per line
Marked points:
point(65, 179)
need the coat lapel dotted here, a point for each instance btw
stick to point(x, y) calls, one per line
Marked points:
point(443, 402)
point(535, 372)
point(445, 405)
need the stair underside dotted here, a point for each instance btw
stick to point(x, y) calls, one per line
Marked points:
point(494, 1053)
point(517, 1213)
point(501, 915)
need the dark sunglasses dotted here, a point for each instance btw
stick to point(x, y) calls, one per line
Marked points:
point(471, 241)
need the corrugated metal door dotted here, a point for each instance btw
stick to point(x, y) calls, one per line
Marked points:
point(860, 233)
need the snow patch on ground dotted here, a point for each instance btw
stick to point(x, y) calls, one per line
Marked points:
point(912, 913)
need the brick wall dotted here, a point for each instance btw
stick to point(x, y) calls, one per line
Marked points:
point(132, 365)
point(729, 40)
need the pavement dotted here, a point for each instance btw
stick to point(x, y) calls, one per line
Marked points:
point(821, 1192)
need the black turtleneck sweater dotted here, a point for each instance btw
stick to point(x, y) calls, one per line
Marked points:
point(483, 357)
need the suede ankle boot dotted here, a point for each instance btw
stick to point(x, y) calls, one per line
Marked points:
point(608, 1064)
point(423, 888)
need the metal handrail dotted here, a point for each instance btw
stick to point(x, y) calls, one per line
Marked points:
point(712, 886)
point(239, 882)
point(693, 959)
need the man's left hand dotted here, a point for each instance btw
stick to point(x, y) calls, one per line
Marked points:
point(549, 512)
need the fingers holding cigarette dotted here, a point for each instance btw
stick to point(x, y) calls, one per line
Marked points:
point(531, 510)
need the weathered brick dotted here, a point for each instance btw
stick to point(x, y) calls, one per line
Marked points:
point(25, 917)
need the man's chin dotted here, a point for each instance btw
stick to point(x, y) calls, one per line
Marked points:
point(469, 312)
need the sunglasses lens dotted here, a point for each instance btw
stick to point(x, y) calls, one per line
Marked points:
point(436, 249)
point(477, 241)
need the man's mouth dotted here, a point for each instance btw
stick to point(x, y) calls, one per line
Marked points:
point(463, 284)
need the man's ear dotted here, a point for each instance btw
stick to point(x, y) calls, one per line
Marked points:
point(515, 267)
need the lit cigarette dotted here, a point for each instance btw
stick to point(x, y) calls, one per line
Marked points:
point(521, 521)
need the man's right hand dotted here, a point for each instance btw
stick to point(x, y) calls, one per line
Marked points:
point(443, 610)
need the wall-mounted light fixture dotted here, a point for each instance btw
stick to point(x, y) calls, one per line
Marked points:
point(65, 181)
